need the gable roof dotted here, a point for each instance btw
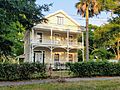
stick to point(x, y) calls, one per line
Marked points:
point(61, 11)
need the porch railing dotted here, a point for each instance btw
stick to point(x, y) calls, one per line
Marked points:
point(56, 42)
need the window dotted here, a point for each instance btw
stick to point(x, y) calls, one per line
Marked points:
point(39, 56)
point(39, 37)
point(60, 20)
point(56, 57)
point(70, 57)
point(71, 39)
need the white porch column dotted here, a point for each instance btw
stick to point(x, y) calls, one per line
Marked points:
point(51, 60)
point(83, 46)
point(51, 48)
point(68, 38)
point(32, 53)
point(68, 45)
point(33, 35)
point(51, 37)
point(67, 54)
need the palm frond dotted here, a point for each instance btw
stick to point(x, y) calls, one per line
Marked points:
point(94, 7)
point(81, 7)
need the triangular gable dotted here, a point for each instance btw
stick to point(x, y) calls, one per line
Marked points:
point(65, 14)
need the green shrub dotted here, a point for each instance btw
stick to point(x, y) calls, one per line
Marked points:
point(90, 69)
point(21, 71)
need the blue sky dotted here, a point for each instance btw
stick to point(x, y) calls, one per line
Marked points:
point(69, 7)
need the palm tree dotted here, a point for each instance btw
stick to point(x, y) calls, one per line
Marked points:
point(87, 8)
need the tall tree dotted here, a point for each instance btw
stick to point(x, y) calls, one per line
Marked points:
point(92, 28)
point(109, 35)
point(16, 15)
point(89, 8)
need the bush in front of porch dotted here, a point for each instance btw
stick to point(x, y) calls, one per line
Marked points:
point(92, 68)
point(22, 71)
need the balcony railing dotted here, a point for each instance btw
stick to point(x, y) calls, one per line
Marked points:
point(57, 42)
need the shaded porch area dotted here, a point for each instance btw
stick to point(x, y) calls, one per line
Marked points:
point(55, 55)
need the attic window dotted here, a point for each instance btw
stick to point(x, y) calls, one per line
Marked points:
point(60, 20)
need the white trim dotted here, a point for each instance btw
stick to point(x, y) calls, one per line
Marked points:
point(57, 28)
point(39, 50)
point(61, 11)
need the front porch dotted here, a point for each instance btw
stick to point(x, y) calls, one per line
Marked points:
point(54, 56)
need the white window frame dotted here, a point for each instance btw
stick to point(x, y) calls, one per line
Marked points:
point(60, 20)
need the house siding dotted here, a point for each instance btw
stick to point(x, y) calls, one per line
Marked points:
point(69, 28)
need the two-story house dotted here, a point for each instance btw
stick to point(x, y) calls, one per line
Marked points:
point(54, 41)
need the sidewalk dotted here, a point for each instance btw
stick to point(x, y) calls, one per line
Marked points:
point(14, 83)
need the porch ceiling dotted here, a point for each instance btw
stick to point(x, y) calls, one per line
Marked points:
point(42, 27)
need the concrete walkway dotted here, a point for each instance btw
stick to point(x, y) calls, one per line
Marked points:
point(15, 83)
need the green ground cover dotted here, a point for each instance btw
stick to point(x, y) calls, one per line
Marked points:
point(63, 73)
point(81, 85)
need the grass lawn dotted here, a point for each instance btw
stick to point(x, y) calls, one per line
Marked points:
point(81, 85)
point(63, 73)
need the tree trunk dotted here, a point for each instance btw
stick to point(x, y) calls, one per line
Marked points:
point(118, 53)
point(87, 34)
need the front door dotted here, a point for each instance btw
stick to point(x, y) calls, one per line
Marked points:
point(39, 56)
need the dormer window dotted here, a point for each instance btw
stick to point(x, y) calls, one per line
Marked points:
point(60, 20)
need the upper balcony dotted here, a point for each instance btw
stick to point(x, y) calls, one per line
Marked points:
point(62, 43)
point(57, 38)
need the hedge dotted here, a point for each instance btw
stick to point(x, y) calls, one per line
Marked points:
point(21, 71)
point(90, 69)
